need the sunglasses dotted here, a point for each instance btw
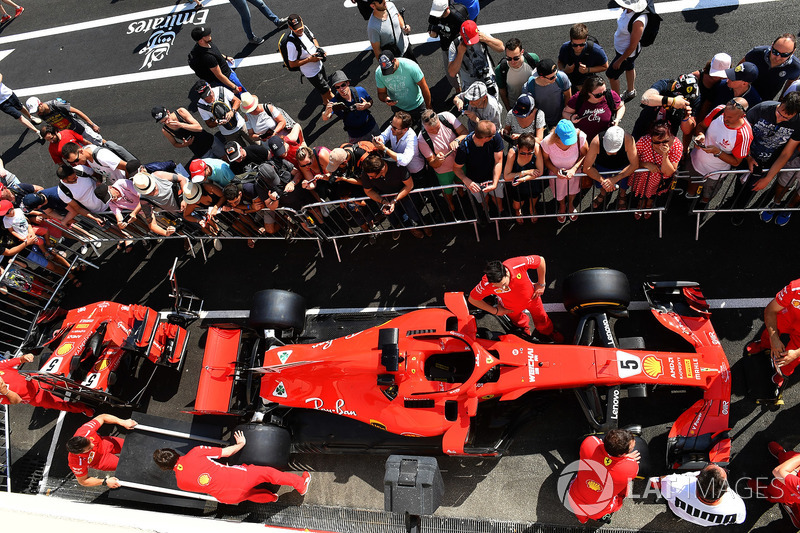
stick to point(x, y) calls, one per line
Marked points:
point(599, 95)
point(661, 142)
point(306, 165)
point(430, 120)
point(780, 54)
point(342, 85)
point(525, 153)
point(577, 45)
point(551, 78)
point(513, 58)
point(735, 104)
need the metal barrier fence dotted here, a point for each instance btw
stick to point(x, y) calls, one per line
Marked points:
point(734, 195)
point(33, 281)
point(330, 221)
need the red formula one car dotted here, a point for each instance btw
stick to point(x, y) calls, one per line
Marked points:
point(430, 380)
point(95, 345)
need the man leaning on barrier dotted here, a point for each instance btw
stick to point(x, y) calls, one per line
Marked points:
point(381, 177)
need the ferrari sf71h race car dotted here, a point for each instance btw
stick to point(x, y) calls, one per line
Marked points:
point(432, 381)
point(95, 345)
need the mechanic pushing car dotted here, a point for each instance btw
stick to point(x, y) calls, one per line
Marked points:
point(510, 283)
point(200, 471)
point(14, 389)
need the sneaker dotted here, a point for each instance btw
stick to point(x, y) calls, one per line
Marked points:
point(35, 120)
point(5, 19)
point(767, 215)
point(256, 40)
point(781, 219)
point(283, 21)
point(307, 477)
point(627, 96)
point(755, 347)
point(19, 11)
point(775, 449)
point(217, 244)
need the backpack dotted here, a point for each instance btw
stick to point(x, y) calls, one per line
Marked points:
point(166, 166)
point(530, 85)
point(360, 150)
point(503, 68)
point(283, 50)
point(427, 138)
point(652, 26)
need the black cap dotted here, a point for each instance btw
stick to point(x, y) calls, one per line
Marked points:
point(233, 151)
point(294, 21)
point(200, 32)
point(159, 112)
point(201, 88)
point(545, 67)
point(276, 146)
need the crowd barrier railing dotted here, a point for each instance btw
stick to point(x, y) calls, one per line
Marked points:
point(735, 195)
point(28, 288)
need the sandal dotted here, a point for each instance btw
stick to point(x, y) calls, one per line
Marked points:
point(637, 215)
point(598, 201)
point(519, 214)
point(622, 204)
point(648, 214)
point(251, 243)
point(574, 217)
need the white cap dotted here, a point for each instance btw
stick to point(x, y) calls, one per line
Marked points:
point(438, 8)
point(32, 104)
point(613, 139)
point(719, 64)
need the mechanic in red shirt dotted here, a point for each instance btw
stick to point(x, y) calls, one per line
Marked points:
point(88, 449)
point(15, 388)
point(604, 471)
point(200, 471)
point(785, 488)
point(781, 316)
point(510, 283)
point(58, 138)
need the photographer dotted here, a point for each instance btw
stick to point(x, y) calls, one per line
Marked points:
point(670, 100)
point(352, 105)
point(219, 108)
point(445, 22)
point(468, 57)
point(387, 30)
point(302, 44)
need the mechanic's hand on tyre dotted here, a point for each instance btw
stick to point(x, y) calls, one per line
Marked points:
point(239, 437)
point(635, 455)
point(112, 482)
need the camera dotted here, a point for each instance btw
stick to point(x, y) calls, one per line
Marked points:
point(320, 53)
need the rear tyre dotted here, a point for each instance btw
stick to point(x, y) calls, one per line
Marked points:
point(596, 289)
point(267, 445)
point(277, 309)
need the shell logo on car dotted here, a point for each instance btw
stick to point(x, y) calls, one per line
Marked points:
point(65, 348)
point(653, 367)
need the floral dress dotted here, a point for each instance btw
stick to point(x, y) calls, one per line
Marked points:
point(646, 184)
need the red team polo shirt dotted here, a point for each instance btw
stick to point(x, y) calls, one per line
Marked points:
point(520, 288)
point(67, 136)
point(789, 299)
point(26, 389)
point(197, 471)
point(590, 494)
point(101, 457)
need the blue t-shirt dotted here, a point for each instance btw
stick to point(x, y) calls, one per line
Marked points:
point(478, 161)
point(221, 172)
point(724, 93)
point(356, 123)
point(592, 55)
point(53, 201)
point(473, 7)
point(771, 80)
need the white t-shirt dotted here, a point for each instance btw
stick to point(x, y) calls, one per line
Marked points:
point(5, 92)
point(311, 68)
point(513, 121)
point(17, 222)
point(227, 97)
point(105, 164)
point(262, 122)
point(516, 80)
point(680, 491)
point(83, 192)
point(622, 37)
point(441, 143)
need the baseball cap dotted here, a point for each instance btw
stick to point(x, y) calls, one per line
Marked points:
point(545, 67)
point(33, 200)
point(438, 8)
point(613, 139)
point(233, 151)
point(565, 130)
point(159, 112)
point(249, 102)
point(476, 91)
point(192, 192)
point(202, 88)
point(387, 62)
point(276, 146)
point(719, 64)
point(197, 170)
point(686, 85)
point(469, 33)
point(524, 106)
point(745, 72)
point(5, 207)
point(144, 183)
point(634, 5)
point(294, 21)
point(32, 104)
point(335, 159)
point(200, 32)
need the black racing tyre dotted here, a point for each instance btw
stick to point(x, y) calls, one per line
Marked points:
point(267, 445)
point(277, 309)
point(596, 289)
